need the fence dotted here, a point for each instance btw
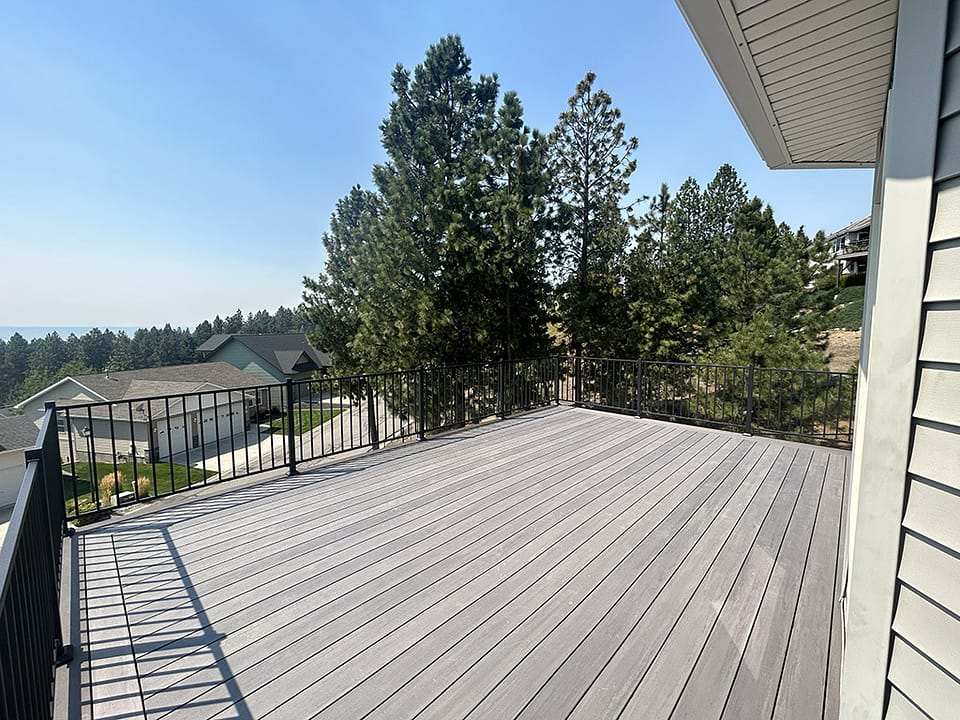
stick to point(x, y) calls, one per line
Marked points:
point(127, 451)
point(810, 405)
point(31, 640)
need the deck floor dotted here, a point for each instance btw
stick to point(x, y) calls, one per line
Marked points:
point(566, 563)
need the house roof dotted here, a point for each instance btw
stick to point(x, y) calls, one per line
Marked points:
point(809, 80)
point(290, 353)
point(852, 227)
point(17, 432)
point(166, 380)
point(153, 382)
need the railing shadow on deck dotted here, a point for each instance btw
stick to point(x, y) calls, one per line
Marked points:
point(120, 651)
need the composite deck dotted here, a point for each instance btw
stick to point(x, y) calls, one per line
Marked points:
point(562, 564)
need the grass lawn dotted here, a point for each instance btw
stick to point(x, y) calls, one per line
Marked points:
point(849, 310)
point(183, 476)
point(304, 420)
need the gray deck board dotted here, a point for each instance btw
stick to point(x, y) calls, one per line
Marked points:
point(564, 563)
point(262, 650)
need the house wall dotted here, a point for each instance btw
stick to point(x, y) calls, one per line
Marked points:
point(924, 667)
point(242, 358)
point(179, 435)
point(12, 468)
point(68, 391)
point(106, 447)
point(902, 651)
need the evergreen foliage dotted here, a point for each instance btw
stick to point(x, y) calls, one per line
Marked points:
point(479, 230)
point(591, 163)
point(443, 261)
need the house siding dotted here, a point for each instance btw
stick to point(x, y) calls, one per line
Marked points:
point(69, 392)
point(12, 468)
point(242, 358)
point(924, 669)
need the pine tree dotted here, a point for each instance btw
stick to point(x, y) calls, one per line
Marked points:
point(332, 302)
point(591, 164)
point(442, 262)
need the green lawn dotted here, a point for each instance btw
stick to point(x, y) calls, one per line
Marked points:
point(304, 420)
point(183, 477)
point(849, 310)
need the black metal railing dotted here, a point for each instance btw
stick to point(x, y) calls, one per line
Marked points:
point(31, 639)
point(813, 405)
point(132, 450)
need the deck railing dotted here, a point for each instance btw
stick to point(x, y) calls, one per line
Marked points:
point(31, 640)
point(128, 451)
point(810, 405)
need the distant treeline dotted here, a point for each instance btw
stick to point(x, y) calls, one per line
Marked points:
point(28, 367)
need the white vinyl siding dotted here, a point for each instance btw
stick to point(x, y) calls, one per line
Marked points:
point(924, 667)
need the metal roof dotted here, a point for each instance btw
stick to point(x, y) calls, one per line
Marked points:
point(808, 78)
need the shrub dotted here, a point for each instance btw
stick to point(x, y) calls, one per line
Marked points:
point(143, 486)
point(109, 484)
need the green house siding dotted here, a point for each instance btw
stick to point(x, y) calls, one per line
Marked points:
point(243, 358)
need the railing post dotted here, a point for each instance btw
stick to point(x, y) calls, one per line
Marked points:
point(373, 428)
point(577, 378)
point(501, 400)
point(291, 434)
point(639, 372)
point(556, 379)
point(421, 377)
point(748, 422)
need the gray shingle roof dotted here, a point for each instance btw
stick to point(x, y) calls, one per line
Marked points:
point(213, 343)
point(17, 432)
point(289, 353)
point(167, 380)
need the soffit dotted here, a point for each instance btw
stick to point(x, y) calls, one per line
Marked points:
point(808, 78)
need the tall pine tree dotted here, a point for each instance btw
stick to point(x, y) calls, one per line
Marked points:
point(591, 165)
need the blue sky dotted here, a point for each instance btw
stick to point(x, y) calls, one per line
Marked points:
point(170, 161)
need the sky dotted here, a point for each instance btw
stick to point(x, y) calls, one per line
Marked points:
point(166, 162)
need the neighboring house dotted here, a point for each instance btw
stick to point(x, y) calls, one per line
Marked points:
point(155, 412)
point(850, 246)
point(16, 433)
point(836, 83)
point(267, 358)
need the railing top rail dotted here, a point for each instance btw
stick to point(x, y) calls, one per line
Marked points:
point(12, 539)
point(807, 371)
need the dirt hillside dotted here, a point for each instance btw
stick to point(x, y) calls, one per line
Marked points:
point(843, 347)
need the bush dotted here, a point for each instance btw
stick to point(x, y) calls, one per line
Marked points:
point(108, 486)
point(143, 486)
point(850, 294)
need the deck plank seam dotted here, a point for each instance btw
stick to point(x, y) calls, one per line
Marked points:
point(709, 443)
point(133, 652)
point(763, 594)
point(546, 637)
point(366, 536)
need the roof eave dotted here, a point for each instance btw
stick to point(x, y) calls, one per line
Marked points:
point(721, 48)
